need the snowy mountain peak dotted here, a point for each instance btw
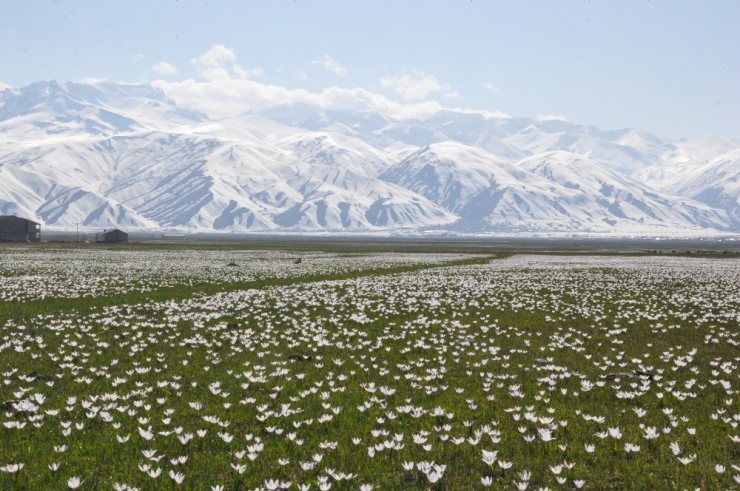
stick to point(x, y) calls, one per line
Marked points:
point(107, 154)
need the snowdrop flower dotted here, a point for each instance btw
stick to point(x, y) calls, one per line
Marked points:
point(178, 478)
point(74, 482)
point(628, 447)
point(687, 460)
point(651, 433)
point(12, 468)
point(434, 477)
point(675, 448)
point(720, 469)
point(489, 457)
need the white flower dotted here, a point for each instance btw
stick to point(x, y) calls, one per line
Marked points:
point(628, 447)
point(74, 482)
point(687, 460)
point(675, 448)
point(434, 477)
point(178, 478)
point(489, 457)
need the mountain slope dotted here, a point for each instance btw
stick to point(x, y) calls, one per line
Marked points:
point(619, 198)
point(166, 180)
point(105, 154)
point(717, 183)
point(552, 191)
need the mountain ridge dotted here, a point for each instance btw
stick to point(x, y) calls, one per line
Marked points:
point(125, 155)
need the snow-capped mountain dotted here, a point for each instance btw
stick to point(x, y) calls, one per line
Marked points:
point(548, 191)
point(716, 183)
point(105, 154)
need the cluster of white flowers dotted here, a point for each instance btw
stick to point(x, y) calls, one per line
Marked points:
point(33, 274)
point(576, 360)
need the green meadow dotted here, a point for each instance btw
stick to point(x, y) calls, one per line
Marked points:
point(222, 368)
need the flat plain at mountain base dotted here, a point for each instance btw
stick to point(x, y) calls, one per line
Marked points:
point(234, 369)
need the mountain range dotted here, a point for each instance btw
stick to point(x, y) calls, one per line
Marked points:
point(104, 154)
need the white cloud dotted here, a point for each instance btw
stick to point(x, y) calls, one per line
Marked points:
point(491, 87)
point(219, 63)
point(227, 92)
point(217, 56)
point(230, 97)
point(4, 86)
point(453, 94)
point(332, 65)
point(301, 74)
point(137, 57)
point(412, 85)
point(551, 117)
point(163, 68)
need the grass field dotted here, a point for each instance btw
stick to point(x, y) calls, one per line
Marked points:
point(217, 368)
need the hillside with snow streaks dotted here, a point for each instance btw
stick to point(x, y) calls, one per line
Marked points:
point(105, 155)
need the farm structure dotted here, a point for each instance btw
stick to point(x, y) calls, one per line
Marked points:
point(16, 229)
point(114, 236)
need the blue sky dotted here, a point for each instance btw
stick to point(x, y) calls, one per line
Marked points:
point(669, 67)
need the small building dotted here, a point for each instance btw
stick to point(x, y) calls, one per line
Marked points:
point(114, 236)
point(16, 229)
